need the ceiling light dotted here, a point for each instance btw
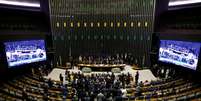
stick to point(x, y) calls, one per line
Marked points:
point(183, 2)
point(20, 3)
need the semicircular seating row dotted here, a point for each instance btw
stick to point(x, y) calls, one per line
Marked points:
point(167, 89)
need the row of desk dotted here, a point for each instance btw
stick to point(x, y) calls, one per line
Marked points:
point(101, 67)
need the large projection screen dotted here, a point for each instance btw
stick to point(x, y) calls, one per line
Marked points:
point(182, 53)
point(25, 52)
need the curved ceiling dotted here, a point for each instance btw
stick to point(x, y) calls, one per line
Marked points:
point(36, 3)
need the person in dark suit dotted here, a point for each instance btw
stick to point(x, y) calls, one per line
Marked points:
point(136, 78)
point(24, 95)
point(61, 77)
point(45, 94)
point(49, 82)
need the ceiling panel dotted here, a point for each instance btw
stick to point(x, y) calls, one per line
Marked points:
point(21, 3)
point(183, 2)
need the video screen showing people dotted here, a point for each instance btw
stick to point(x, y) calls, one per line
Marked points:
point(24, 52)
point(181, 53)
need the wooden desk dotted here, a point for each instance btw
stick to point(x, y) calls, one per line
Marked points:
point(62, 67)
point(101, 67)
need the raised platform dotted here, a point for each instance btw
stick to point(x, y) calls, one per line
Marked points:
point(144, 74)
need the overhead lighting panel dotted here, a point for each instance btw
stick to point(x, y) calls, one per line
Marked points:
point(183, 2)
point(20, 3)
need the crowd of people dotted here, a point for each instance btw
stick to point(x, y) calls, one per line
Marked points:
point(105, 87)
point(126, 58)
point(164, 71)
point(100, 60)
point(102, 87)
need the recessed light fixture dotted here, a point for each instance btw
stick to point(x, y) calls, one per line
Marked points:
point(20, 3)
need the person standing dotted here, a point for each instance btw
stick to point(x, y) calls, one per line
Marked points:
point(61, 78)
point(24, 95)
point(100, 97)
point(65, 92)
point(50, 83)
point(138, 90)
point(45, 94)
point(136, 78)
